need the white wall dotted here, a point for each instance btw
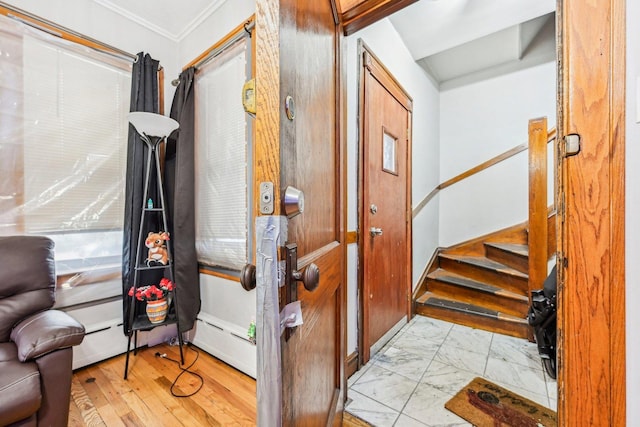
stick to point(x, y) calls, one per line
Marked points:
point(384, 42)
point(632, 225)
point(229, 15)
point(477, 122)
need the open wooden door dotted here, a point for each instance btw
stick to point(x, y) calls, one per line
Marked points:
point(299, 144)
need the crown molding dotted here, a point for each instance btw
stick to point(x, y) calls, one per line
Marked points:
point(158, 29)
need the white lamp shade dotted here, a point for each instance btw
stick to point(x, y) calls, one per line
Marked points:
point(152, 124)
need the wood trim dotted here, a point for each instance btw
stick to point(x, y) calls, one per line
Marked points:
point(617, 204)
point(424, 202)
point(386, 79)
point(474, 170)
point(493, 161)
point(591, 297)
point(351, 364)
point(233, 33)
point(538, 210)
point(267, 123)
point(422, 281)
point(482, 166)
point(62, 32)
point(352, 237)
point(370, 11)
point(213, 271)
point(161, 93)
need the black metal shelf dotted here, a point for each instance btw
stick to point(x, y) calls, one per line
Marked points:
point(137, 316)
point(152, 267)
point(141, 322)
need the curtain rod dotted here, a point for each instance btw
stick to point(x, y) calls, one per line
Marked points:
point(217, 50)
point(62, 32)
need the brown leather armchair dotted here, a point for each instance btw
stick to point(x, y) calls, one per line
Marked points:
point(35, 342)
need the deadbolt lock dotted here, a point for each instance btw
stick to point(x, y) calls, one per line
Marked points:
point(373, 208)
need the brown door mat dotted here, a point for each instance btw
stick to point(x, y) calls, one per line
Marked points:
point(485, 404)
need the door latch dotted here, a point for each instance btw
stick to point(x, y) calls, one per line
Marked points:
point(266, 198)
point(571, 144)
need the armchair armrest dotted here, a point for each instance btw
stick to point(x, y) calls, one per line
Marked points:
point(45, 332)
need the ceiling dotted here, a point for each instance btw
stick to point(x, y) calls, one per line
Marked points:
point(450, 39)
point(171, 18)
point(457, 39)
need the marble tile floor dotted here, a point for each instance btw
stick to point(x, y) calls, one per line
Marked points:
point(408, 381)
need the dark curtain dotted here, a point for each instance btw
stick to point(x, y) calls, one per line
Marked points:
point(144, 97)
point(179, 179)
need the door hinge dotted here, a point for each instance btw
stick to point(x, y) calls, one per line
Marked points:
point(571, 144)
point(561, 204)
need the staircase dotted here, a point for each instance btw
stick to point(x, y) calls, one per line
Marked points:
point(482, 283)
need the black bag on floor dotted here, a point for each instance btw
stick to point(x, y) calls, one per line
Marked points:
point(542, 316)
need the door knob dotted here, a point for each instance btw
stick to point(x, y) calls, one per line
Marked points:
point(375, 231)
point(310, 277)
point(248, 277)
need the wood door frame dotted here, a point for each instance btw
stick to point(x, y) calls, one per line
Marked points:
point(591, 291)
point(369, 62)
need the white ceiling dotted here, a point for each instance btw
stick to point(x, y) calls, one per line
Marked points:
point(171, 18)
point(431, 26)
point(448, 38)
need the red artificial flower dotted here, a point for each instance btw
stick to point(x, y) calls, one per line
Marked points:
point(152, 292)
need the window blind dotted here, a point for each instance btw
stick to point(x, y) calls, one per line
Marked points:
point(75, 135)
point(221, 160)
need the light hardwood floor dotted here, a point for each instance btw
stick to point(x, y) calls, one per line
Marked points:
point(101, 397)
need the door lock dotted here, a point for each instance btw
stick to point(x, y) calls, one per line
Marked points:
point(293, 202)
point(375, 231)
point(373, 208)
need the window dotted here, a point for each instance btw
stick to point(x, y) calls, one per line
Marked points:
point(63, 142)
point(222, 159)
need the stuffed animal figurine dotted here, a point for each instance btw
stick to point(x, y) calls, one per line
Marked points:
point(157, 248)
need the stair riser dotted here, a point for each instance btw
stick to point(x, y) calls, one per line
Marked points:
point(483, 299)
point(496, 278)
point(510, 259)
point(474, 321)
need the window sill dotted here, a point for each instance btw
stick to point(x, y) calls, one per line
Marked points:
point(87, 294)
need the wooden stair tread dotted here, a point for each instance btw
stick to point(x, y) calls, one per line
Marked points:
point(518, 249)
point(455, 279)
point(444, 303)
point(487, 264)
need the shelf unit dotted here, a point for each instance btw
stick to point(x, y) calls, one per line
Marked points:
point(154, 124)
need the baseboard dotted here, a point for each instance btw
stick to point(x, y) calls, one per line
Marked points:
point(422, 281)
point(351, 365)
point(226, 342)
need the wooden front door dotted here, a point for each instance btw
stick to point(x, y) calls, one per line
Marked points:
point(299, 144)
point(386, 207)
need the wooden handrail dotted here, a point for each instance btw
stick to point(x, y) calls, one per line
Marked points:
point(551, 135)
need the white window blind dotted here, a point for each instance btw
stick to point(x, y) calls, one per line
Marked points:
point(75, 138)
point(221, 160)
